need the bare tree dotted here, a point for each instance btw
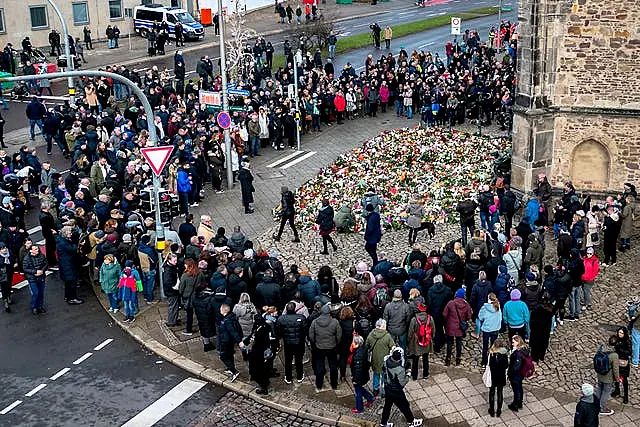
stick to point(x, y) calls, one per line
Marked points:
point(313, 34)
point(239, 62)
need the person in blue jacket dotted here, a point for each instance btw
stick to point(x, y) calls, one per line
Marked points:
point(372, 234)
point(532, 211)
point(184, 188)
point(516, 316)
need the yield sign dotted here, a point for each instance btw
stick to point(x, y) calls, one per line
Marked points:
point(157, 157)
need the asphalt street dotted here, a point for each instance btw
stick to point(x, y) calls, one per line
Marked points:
point(403, 13)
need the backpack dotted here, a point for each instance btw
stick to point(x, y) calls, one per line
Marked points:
point(528, 368)
point(364, 327)
point(601, 362)
point(85, 244)
point(379, 298)
point(424, 333)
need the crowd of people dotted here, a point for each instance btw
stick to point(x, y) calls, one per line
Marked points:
point(383, 318)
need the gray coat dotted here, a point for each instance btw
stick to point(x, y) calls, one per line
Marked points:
point(397, 314)
point(325, 332)
point(626, 228)
point(188, 285)
point(415, 211)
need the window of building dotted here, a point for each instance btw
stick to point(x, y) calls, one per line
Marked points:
point(115, 9)
point(2, 28)
point(80, 13)
point(39, 17)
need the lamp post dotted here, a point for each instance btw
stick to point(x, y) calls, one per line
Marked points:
point(225, 96)
point(296, 60)
point(153, 138)
point(67, 52)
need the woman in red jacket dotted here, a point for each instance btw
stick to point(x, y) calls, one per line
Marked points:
point(455, 313)
point(384, 96)
point(591, 269)
point(341, 104)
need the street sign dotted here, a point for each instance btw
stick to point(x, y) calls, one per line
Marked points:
point(223, 119)
point(239, 92)
point(157, 157)
point(209, 98)
point(232, 85)
point(456, 23)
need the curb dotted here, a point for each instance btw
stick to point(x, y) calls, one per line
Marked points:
point(239, 387)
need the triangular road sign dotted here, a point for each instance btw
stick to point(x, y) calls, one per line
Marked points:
point(157, 157)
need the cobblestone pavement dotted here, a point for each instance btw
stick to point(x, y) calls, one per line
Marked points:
point(237, 411)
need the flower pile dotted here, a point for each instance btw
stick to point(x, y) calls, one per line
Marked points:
point(434, 165)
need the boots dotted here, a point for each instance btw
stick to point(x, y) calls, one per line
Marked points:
point(6, 306)
point(208, 347)
point(296, 238)
point(457, 361)
point(447, 361)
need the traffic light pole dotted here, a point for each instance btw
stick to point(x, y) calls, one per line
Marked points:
point(67, 52)
point(153, 139)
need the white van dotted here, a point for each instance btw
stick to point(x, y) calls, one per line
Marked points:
point(145, 16)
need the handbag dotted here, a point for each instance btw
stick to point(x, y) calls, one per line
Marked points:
point(464, 324)
point(486, 377)
point(595, 237)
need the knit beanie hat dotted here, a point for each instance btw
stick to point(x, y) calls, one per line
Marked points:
point(460, 293)
point(515, 295)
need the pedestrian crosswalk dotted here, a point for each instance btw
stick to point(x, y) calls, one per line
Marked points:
point(292, 159)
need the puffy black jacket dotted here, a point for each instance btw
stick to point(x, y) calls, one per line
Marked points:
point(292, 328)
point(203, 306)
point(169, 280)
point(229, 332)
point(360, 366)
point(267, 293)
point(466, 209)
point(235, 287)
point(31, 264)
point(437, 298)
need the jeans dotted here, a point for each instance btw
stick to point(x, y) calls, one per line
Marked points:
point(574, 302)
point(32, 125)
point(315, 118)
point(173, 303)
point(148, 283)
point(332, 51)
point(518, 391)
point(293, 352)
point(226, 355)
point(487, 340)
point(320, 370)
point(36, 286)
point(635, 346)
point(129, 308)
point(378, 382)
point(113, 300)
point(110, 43)
point(183, 198)
point(586, 291)
point(5, 106)
point(361, 392)
point(254, 145)
point(604, 393)
point(32, 84)
point(464, 228)
point(409, 109)
point(398, 107)
point(484, 219)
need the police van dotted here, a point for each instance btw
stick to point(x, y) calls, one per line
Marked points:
point(145, 16)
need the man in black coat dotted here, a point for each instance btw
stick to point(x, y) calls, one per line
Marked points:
point(169, 280)
point(48, 224)
point(229, 334)
point(467, 209)
point(287, 213)
point(68, 259)
point(292, 327)
point(246, 185)
point(267, 292)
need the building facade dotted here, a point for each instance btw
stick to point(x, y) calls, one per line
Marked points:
point(577, 106)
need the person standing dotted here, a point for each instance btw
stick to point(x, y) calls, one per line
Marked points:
point(516, 315)
point(48, 224)
point(376, 30)
point(170, 281)
point(6, 273)
point(498, 364)
point(420, 341)
point(54, 41)
point(109, 279)
point(261, 355)
point(229, 334)
point(372, 234)
point(332, 40)
point(588, 408)
point(35, 113)
point(379, 343)
point(34, 267)
point(360, 374)
point(86, 32)
point(246, 186)
point(203, 307)
point(591, 270)
point(287, 213)
point(395, 379)
point(490, 318)
point(415, 210)
point(456, 313)
point(610, 231)
point(608, 374)
point(516, 362)
point(189, 281)
point(397, 314)
point(467, 209)
point(623, 349)
point(68, 261)
point(128, 291)
point(292, 327)
point(178, 32)
point(325, 334)
point(388, 33)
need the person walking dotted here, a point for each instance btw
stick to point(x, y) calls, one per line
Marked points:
point(292, 327)
point(34, 267)
point(379, 343)
point(246, 186)
point(372, 234)
point(395, 379)
point(325, 334)
point(326, 225)
point(360, 374)
point(498, 364)
point(287, 213)
point(520, 350)
point(588, 408)
point(457, 314)
point(229, 334)
point(420, 341)
point(109, 279)
point(35, 113)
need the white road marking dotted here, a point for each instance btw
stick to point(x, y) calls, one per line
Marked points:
point(82, 358)
point(385, 20)
point(298, 160)
point(41, 242)
point(34, 229)
point(166, 404)
point(425, 45)
point(35, 390)
point(8, 409)
point(60, 373)
point(284, 159)
point(103, 344)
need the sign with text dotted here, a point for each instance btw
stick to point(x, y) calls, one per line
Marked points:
point(210, 98)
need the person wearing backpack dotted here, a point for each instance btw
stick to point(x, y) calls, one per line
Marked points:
point(514, 373)
point(498, 364)
point(605, 363)
point(420, 341)
point(395, 379)
point(379, 343)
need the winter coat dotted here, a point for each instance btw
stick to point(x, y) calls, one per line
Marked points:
point(437, 298)
point(498, 364)
point(451, 318)
point(267, 293)
point(397, 314)
point(67, 259)
point(534, 255)
point(612, 376)
point(587, 412)
point(591, 268)
point(245, 313)
point(413, 348)
point(373, 234)
point(31, 264)
point(235, 287)
point(395, 377)
point(229, 333)
point(515, 314)
point(309, 290)
point(379, 343)
point(347, 326)
point(325, 219)
point(325, 332)
point(109, 277)
point(515, 364)
point(490, 319)
point(292, 328)
point(626, 222)
point(246, 184)
point(415, 211)
point(360, 366)
point(466, 208)
point(184, 186)
point(513, 261)
point(188, 285)
point(203, 306)
point(479, 294)
point(501, 285)
point(530, 294)
point(169, 280)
